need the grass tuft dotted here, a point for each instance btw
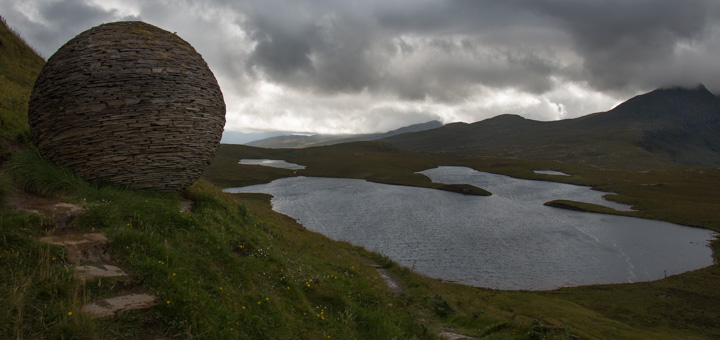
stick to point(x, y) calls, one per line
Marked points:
point(33, 174)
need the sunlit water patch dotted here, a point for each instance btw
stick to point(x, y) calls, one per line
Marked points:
point(272, 163)
point(508, 240)
point(550, 172)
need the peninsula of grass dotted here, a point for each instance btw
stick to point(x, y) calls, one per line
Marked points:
point(585, 207)
point(465, 189)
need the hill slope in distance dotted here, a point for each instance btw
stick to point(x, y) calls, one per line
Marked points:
point(661, 128)
point(302, 141)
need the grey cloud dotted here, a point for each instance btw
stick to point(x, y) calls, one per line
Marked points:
point(325, 48)
point(348, 49)
point(282, 51)
point(624, 43)
point(618, 44)
point(61, 21)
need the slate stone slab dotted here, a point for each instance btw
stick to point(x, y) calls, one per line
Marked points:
point(81, 248)
point(112, 306)
point(89, 272)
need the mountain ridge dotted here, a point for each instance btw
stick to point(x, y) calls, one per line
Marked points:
point(664, 127)
point(302, 141)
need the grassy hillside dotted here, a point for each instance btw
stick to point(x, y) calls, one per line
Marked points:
point(19, 66)
point(219, 270)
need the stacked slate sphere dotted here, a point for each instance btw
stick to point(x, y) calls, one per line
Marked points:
point(128, 103)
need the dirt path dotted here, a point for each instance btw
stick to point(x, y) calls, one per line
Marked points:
point(392, 282)
point(395, 286)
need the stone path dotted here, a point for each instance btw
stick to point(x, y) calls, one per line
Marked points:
point(89, 272)
point(87, 253)
point(112, 306)
point(81, 248)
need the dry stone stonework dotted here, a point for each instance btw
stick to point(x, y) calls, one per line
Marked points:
point(128, 103)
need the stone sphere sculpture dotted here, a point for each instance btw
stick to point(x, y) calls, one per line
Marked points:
point(128, 103)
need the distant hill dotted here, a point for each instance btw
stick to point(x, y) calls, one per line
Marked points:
point(660, 128)
point(301, 141)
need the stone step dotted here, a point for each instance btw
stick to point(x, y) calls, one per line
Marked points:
point(186, 206)
point(90, 272)
point(81, 248)
point(449, 334)
point(113, 306)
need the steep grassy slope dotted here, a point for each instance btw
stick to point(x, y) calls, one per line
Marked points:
point(661, 128)
point(19, 66)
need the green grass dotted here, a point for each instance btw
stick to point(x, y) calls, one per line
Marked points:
point(19, 66)
point(220, 271)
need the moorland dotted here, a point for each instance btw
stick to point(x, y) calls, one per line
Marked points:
point(231, 268)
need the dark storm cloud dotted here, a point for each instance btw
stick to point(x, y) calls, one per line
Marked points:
point(529, 45)
point(323, 45)
point(626, 43)
point(59, 21)
point(335, 47)
point(342, 46)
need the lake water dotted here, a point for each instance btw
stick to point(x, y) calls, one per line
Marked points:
point(273, 163)
point(550, 172)
point(507, 241)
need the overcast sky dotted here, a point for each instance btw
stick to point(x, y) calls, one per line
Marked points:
point(331, 66)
